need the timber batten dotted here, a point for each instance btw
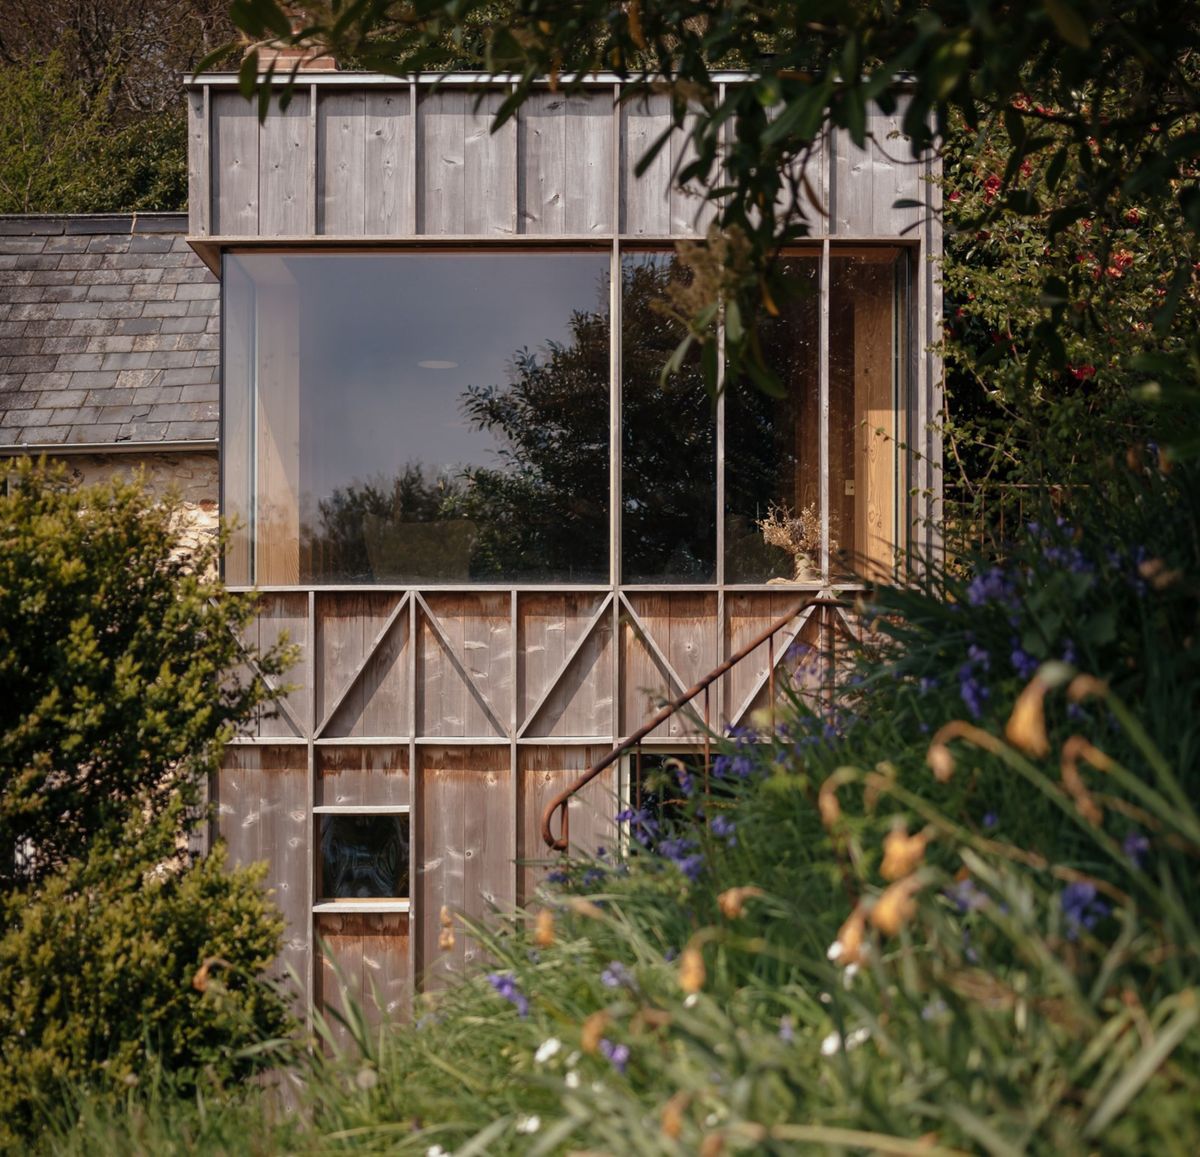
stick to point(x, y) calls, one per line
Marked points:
point(460, 708)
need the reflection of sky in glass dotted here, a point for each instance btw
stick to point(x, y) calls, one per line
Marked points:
point(368, 321)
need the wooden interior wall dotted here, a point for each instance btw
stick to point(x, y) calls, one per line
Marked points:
point(874, 424)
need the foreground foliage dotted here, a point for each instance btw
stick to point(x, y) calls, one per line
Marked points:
point(955, 915)
point(117, 693)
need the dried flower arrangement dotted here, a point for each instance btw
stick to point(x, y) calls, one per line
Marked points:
point(800, 535)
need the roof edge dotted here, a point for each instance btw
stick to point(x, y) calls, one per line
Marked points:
point(52, 224)
point(69, 449)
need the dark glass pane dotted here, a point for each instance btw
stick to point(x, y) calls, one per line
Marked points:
point(364, 857)
point(668, 446)
point(772, 472)
point(772, 447)
point(424, 417)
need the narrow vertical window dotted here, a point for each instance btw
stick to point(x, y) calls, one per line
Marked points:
point(772, 473)
point(669, 446)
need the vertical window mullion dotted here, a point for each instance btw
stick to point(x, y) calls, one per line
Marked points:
point(823, 408)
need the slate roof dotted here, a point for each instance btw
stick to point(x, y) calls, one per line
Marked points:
point(108, 332)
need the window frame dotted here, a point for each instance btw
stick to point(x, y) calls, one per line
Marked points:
point(908, 509)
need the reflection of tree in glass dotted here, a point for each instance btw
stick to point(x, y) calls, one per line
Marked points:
point(543, 513)
point(338, 547)
point(771, 449)
point(668, 451)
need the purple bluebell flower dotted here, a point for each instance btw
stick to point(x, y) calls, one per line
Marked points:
point(725, 828)
point(1082, 907)
point(966, 895)
point(616, 975)
point(991, 586)
point(977, 654)
point(506, 986)
point(934, 1009)
point(1136, 847)
point(593, 876)
point(558, 876)
point(926, 684)
point(643, 825)
point(617, 1054)
point(787, 1030)
point(1025, 665)
point(990, 820)
point(1069, 654)
point(684, 778)
point(974, 693)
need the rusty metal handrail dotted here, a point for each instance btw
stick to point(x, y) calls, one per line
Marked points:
point(561, 843)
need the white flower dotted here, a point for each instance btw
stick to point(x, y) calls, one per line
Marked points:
point(835, 950)
point(573, 1059)
point(547, 1049)
point(848, 974)
point(436, 1151)
point(690, 1000)
point(833, 1041)
point(572, 1080)
point(529, 1124)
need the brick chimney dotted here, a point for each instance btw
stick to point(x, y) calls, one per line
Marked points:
point(285, 56)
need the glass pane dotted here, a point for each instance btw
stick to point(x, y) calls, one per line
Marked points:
point(772, 446)
point(419, 417)
point(772, 474)
point(364, 857)
point(865, 375)
point(668, 445)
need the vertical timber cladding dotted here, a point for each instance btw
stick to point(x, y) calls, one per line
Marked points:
point(463, 711)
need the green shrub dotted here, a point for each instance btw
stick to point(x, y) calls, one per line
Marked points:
point(118, 652)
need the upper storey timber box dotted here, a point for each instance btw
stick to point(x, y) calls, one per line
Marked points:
point(361, 156)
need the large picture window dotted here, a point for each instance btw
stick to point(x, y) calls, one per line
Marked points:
point(421, 417)
point(433, 417)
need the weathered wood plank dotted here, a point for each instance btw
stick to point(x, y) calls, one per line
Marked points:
point(464, 852)
point(364, 959)
point(353, 776)
point(387, 695)
point(389, 208)
point(283, 184)
point(235, 136)
point(283, 616)
point(263, 815)
point(341, 641)
point(645, 201)
point(465, 658)
point(565, 162)
point(341, 172)
point(545, 771)
point(566, 642)
point(199, 174)
point(468, 179)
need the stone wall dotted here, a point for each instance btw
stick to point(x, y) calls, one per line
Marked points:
point(193, 476)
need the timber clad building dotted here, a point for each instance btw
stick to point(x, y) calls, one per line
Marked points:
point(460, 487)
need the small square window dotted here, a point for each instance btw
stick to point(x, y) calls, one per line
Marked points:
point(363, 856)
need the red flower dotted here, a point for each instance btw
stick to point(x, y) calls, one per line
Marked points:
point(1082, 373)
point(955, 196)
point(1133, 217)
point(991, 187)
